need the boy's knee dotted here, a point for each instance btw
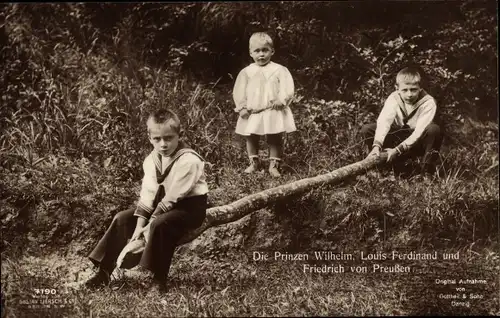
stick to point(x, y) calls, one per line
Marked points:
point(433, 130)
point(164, 228)
point(122, 216)
point(368, 129)
point(155, 223)
point(159, 222)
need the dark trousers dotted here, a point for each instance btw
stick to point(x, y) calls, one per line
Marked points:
point(427, 145)
point(165, 232)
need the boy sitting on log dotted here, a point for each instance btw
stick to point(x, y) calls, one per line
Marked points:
point(173, 201)
point(406, 124)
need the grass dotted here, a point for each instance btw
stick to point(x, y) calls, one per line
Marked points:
point(232, 287)
point(69, 165)
point(216, 276)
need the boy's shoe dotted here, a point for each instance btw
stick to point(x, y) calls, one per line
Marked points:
point(100, 279)
point(273, 168)
point(404, 170)
point(430, 175)
point(159, 287)
point(429, 170)
point(254, 165)
point(159, 284)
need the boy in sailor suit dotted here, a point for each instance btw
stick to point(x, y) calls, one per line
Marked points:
point(173, 200)
point(405, 124)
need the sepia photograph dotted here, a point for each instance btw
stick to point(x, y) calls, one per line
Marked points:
point(249, 159)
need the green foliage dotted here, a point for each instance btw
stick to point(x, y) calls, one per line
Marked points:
point(74, 72)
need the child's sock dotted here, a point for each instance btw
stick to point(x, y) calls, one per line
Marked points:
point(273, 167)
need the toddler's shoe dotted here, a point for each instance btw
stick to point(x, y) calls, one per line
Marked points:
point(254, 165)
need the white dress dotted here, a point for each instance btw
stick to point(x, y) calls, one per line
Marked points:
point(258, 87)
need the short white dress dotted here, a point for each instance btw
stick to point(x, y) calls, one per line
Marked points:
point(259, 87)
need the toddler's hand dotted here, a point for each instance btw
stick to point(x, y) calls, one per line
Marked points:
point(244, 113)
point(277, 105)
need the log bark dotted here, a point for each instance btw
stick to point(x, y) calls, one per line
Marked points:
point(238, 209)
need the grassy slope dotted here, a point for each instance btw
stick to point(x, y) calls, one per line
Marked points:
point(207, 283)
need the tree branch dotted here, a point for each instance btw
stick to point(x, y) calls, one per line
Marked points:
point(238, 209)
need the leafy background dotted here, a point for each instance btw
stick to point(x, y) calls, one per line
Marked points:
point(79, 78)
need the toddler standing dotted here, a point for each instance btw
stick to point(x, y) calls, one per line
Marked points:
point(262, 93)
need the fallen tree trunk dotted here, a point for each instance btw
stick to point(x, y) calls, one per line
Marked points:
point(238, 209)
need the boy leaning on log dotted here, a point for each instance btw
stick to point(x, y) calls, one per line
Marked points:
point(406, 124)
point(173, 201)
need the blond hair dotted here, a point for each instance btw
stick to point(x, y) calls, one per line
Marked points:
point(260, 37)
point(409, 75)
point(162, 116)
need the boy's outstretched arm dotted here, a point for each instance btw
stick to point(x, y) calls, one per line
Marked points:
point(384, 122)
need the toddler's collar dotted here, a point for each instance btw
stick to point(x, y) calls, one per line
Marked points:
point(265, 65)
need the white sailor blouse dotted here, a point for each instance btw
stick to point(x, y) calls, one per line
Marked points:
point(399, 114)
point(181, 175)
